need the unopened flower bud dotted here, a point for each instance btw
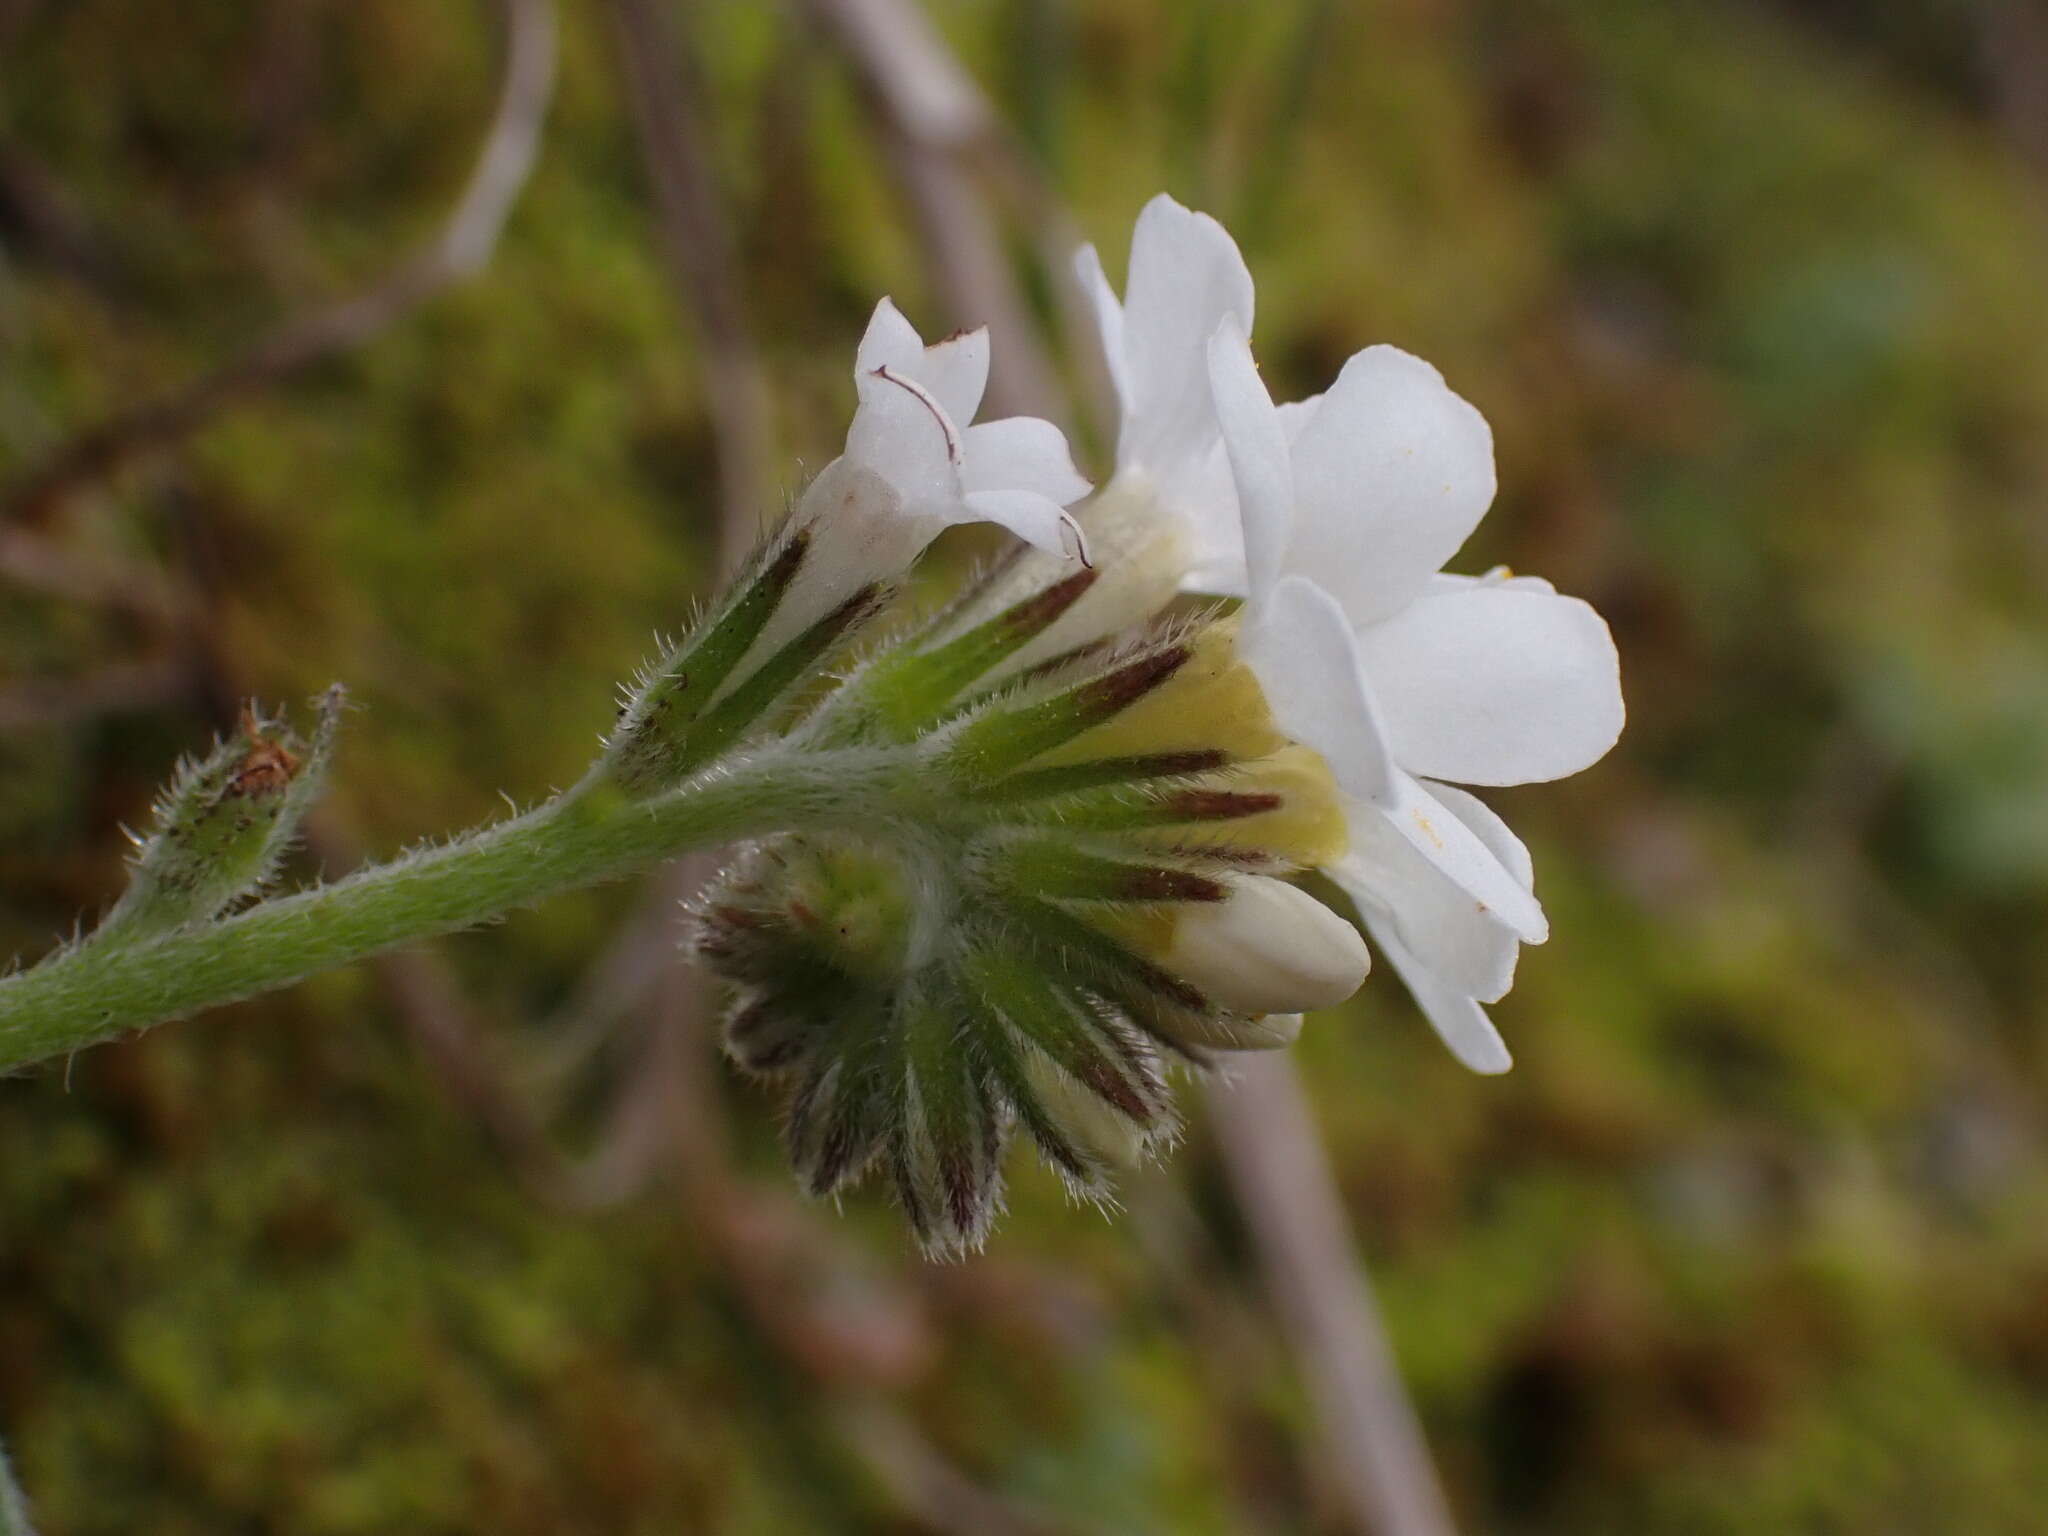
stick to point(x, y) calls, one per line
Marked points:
point(223, 825)
point(1267, 948)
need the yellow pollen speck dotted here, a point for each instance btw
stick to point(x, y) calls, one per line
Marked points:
point(1428, 831)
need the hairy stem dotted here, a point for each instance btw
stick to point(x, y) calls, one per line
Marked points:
point(85, 995)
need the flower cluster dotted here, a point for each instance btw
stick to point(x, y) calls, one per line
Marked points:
point(1086, 887)
point(1332, 517)
point(1019, 858)
point(1091, 887)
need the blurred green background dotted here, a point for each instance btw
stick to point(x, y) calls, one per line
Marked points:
point(1755, 1238)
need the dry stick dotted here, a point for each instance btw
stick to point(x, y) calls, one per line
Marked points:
point(2012, 45)
point(1265, 1130)
point(927, 1487)
point(653, 1110)
point(33, 560)
point(933, 102)
point(123, 687)
point(460, 249)
point(664, 88)
point(930, 119)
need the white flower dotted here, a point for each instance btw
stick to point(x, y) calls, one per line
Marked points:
point(1167, 521)
point(1186, 278)
point(1333, 517)
point(914, 466)
point(1403, 677)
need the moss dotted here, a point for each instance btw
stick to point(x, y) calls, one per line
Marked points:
point(1751, 1238)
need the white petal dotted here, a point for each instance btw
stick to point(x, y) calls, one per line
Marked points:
point(1304, 655)
point(1300, 647)
point(1021, 453)
point(1267, 947)
point(1458, 1020)
point(1496, 684)
point(1499, 576)
point(900, 433)
point(890, 341)
point(1391, 474)
point(1257, 445)
point(956, 372)
point(1186, 275)
point(1109, 318)
point(1037, 520)
point(1202, 494)
point(1296, 414)
point(1436, 919)
point(1410, 819)
point(861, 531)
point(1486, 824)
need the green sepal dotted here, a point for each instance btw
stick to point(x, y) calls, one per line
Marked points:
point(1082, 1043)
point(849, 1101)
point(1124, 808)
point(1005, 738)
point(721, 726)
point(1071, 778)
point(946, 1160)
point(650, 747)
point(912, 689)
point(1056, 868)
point(1170, 1011)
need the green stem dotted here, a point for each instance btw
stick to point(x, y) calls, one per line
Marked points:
point(85, 995)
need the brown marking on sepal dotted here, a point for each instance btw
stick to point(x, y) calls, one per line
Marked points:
point(1143, 884)
point(267, 766)
point(1217, 804)
point(1116, 691)
point(1114, 1088)
point(1038, 612)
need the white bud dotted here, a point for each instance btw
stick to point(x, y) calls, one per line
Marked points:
point(1267, 948)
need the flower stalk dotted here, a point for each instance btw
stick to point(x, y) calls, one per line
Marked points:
point(88, 993)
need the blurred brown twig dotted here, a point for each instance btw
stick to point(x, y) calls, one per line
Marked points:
point(664, 88)
point(1375, 1454)
point(931, 120)
point(461, 247)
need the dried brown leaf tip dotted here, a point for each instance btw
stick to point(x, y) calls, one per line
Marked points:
point(267, 766)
